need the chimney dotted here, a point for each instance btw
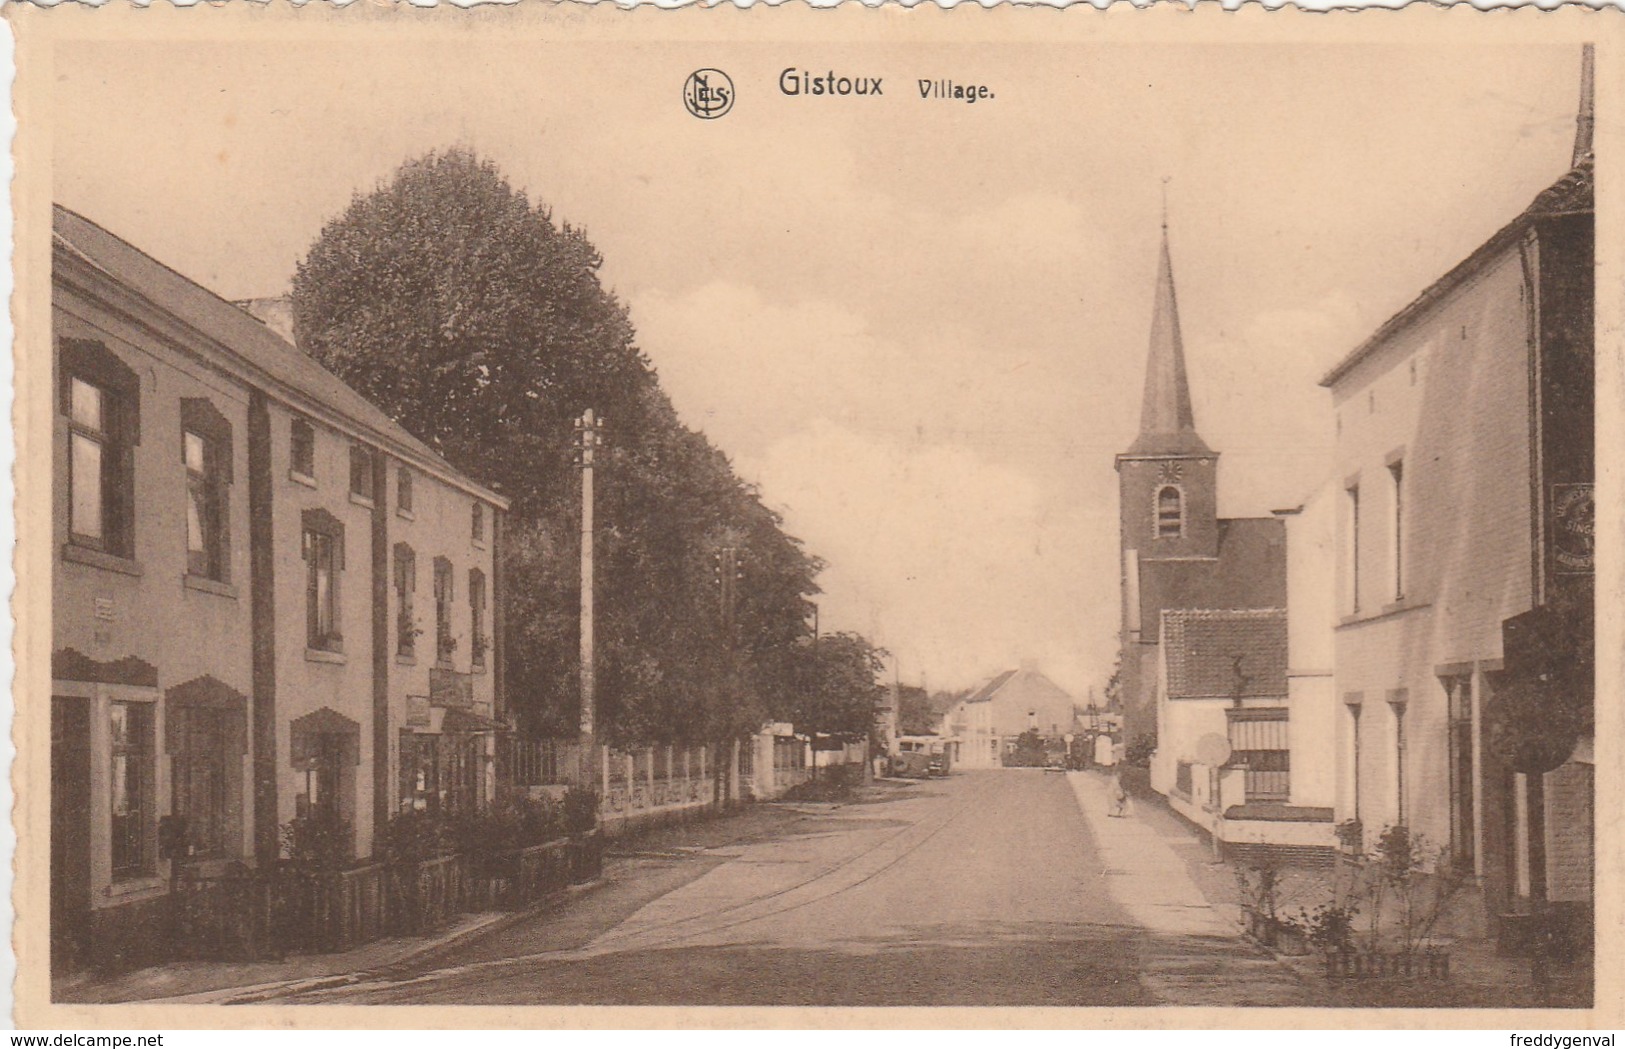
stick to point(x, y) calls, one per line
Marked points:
point(1586, 119)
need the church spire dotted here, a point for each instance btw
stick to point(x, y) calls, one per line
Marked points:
point(1585, 121)
point(1167, 425)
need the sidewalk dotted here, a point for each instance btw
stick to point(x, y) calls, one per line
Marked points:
point(1159, 869)
point(1144, 874)
point(1194, 954)
point(228, 983)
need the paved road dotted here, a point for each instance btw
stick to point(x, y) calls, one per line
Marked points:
point(982, 889)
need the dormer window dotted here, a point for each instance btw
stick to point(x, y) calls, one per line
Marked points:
point(1170, 512)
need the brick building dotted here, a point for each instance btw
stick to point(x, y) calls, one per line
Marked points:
point(268, 600)
point(1177, 553)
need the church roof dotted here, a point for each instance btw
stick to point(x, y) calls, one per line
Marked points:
point(1249, 572)
point(1167, 424)
point(1230, 653)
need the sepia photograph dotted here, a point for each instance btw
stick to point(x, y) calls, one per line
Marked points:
point(577, 508)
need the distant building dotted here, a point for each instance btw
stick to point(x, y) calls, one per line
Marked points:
point(1464, 582)
point(985, 725)
point(269, 601)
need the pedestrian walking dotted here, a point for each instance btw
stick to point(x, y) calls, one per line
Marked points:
point(1118, 804)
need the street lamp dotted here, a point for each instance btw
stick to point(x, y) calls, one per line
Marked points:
point(589, 438)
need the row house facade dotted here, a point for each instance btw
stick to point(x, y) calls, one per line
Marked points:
point(1464, 463)
point(269, 601)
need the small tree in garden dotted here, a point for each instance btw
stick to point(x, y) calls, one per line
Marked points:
point(1139, 750)
point(1259, 884)
point(1422, 880)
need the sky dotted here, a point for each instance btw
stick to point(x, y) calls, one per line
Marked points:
point(919, 326)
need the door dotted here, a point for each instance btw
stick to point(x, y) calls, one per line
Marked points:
point(70, 832)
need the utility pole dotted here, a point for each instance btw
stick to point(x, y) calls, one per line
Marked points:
point(589, 438)
point(728, 572)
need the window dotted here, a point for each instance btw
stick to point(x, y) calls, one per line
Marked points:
point(322, 590)
point(406, 629)
point(323, 798)
point(101, 399)
point(445, 643)
point(360, 472)
point(419, 773)
point(200, 778)
point(1352, 512)
point(479, 522)
point(302, 457)
point(1353, 704)
point(88, 440)
point(476, 603)
point(1396, 703)
point(206, 457)
point(1259, 743)
point(202, 521)
point(1170, 513)
point(1462, 845)
point(403, 490)
point(324, 560)
point(1396, 475)
point(131, 783)
point(440, 774)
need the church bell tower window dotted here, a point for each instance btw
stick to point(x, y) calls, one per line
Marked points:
point(1170, 512)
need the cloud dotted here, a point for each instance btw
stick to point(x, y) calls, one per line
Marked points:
point(959, 565)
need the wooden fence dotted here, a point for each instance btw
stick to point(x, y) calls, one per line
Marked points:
point(247, 914)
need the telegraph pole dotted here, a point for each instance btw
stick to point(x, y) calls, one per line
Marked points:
point(589, 438)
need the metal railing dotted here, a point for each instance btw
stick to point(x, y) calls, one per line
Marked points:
point(543, 762)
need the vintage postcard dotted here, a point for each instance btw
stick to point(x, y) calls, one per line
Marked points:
point(862, 517)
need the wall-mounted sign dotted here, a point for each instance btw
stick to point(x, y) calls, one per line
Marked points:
point(452, 690)
point(417, 711)
point(1574, 515)
point(104, 608)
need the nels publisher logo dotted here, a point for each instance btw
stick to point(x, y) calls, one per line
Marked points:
point(708, 93)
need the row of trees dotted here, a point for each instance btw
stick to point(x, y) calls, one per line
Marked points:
point(478, 322)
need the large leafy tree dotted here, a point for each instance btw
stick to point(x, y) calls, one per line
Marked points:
point(838, 685)
point(479, 323)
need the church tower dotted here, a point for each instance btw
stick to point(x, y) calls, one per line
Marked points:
point(1167, 480)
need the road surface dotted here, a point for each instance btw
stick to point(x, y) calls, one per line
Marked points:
point(984, 889)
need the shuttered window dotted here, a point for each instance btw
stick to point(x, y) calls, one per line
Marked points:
point(1259, 743)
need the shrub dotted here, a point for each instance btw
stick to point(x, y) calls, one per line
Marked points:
point(319, 841)
point(580, 810)
point(1138, 752)
point(1329, 926)
point(414, 836)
